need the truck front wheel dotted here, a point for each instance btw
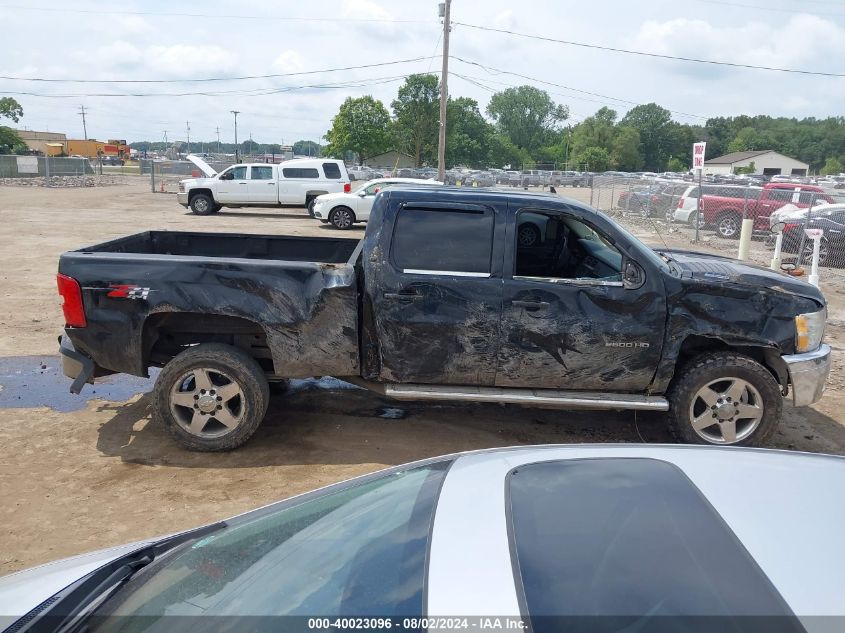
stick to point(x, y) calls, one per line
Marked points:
point(724, 398)
point(211, 397)
point(201, 204)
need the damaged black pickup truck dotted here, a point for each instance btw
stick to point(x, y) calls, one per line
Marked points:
point(456, 295)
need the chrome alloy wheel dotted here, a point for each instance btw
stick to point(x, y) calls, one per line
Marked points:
point(207, 403)
point(726, 411)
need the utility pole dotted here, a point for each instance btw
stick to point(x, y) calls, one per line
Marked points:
point(237, 153)
point(218, 139)
point(165, 140)
point(84, 127)
point(188, 130)
point(445, 12)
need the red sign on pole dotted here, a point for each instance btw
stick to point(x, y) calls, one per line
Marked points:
point(698, 155)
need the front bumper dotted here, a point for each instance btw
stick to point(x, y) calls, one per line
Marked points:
point(808, 373)
point(182, 198)
point(75, 365)
point(317, 212)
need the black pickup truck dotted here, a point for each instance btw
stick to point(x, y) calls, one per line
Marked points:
point(459, 295)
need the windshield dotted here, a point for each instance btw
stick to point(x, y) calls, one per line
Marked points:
point(359, 550)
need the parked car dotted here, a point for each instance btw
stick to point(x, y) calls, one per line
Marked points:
point(421, 309)
point(342, 210)
point(533, 178)
point(526, 538)
point(726, 214)
point(686, 210)
point(291, 183)
point(830, 219)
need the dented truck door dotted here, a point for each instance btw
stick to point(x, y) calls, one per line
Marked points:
point(436, 296)
point(569, 321)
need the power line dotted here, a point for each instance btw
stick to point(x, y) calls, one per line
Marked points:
point(757, 7)
point(214, 15)
point(491, 69)
point(257, 92)
point(204, 79)
point(645, 54)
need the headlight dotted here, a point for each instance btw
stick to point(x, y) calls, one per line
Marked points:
point(809, 330)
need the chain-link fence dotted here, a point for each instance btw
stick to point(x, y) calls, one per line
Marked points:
point(682, 214)
point(61, 171)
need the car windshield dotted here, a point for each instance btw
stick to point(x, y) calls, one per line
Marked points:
point(358, 550)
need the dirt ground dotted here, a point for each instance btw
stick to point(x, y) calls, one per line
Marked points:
point(101, 475)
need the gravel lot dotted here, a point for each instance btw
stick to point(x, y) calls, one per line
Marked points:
point(97, 473)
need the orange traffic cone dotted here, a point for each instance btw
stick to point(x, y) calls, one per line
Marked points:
point(161, 189)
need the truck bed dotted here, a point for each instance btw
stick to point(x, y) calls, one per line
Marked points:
point(325, 250)
point(295, 297)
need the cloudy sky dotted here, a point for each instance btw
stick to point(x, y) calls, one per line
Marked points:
point(156, 40)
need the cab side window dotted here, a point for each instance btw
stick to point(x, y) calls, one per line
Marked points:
point(555, 246)
point(261, 173)
point(239, 173)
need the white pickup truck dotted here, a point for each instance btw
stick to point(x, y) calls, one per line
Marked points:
point(291, 183)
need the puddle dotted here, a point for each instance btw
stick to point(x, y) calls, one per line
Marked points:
point(37, 381)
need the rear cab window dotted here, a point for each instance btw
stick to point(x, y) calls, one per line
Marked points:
point(627, 537)
point(443, 239)
point(331, 170)
point(300, 172)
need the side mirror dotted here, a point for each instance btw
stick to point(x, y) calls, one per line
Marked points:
point(362, 193)
point(633, 276)
point(227, 176)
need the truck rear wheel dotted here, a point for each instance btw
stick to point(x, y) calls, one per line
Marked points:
point(723, 398)
point(201, 204)
point(211, 397)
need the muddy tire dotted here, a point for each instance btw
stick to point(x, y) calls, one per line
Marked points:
point(201, 204)
point(342, 218)
point(724, 399)
point(309, 204)
point(211, 397)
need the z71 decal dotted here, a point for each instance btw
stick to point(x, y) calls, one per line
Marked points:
point(128, 291)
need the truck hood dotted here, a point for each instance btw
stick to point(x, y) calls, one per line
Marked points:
point(191, 183)
point(204, 166)
point(716, 269)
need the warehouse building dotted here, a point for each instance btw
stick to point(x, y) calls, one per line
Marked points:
point(766, 162)
point(48, 143)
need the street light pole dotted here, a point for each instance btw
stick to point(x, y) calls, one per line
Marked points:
point(237, 153)
point(444, 92)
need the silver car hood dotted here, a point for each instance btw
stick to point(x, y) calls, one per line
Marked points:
point(22, 591)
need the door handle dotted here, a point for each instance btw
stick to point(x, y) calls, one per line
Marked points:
point(530, 305)
point(403, 296)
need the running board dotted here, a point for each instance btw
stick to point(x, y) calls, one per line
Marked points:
point(539, 397)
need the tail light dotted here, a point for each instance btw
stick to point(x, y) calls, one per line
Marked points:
point(347, 187)
point(72, 305)
point(680, 203)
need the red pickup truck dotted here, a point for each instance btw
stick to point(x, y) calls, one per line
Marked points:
point(725, 214)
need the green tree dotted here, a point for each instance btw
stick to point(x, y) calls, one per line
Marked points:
point(593, 159)
point(832, 166)
point(527, 116)
point(10, 109)
point(504, 154)
point(750, 169)
point(467, 134)
point(625, 149)
point(361, 126)
point(676, 164)
point(10, 142)
point(655, 127)
point(307, 148)
point(416, 113)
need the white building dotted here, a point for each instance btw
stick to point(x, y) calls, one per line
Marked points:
point(766, 162)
